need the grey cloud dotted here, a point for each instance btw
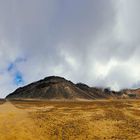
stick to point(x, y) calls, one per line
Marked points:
point(92, 41)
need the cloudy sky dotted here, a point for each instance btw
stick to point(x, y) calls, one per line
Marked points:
point(92, 41)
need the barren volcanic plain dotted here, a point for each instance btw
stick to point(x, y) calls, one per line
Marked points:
point(70, 120)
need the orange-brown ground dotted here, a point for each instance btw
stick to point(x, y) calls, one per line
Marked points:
point(96, 120)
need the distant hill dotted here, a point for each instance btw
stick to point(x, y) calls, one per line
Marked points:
point(58, 88)
point(131, 93)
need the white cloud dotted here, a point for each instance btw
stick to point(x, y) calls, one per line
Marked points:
point(92, 41)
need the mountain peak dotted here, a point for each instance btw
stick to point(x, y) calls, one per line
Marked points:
point(55, 87)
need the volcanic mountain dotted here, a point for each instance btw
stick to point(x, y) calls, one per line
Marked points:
point(58, 88)
point(52, 87)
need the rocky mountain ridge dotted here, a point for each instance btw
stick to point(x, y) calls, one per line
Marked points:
point(58, 88)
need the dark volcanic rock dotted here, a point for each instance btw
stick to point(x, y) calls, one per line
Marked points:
point(55, 87)
point(96, 92)
point(50, 88)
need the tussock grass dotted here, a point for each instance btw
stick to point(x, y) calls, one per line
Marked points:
point(96, 120)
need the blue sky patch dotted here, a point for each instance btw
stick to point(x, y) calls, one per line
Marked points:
point(11, 67)
point(18, 79)
point(13, 70)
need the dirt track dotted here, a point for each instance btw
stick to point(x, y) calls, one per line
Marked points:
point(15, 123)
